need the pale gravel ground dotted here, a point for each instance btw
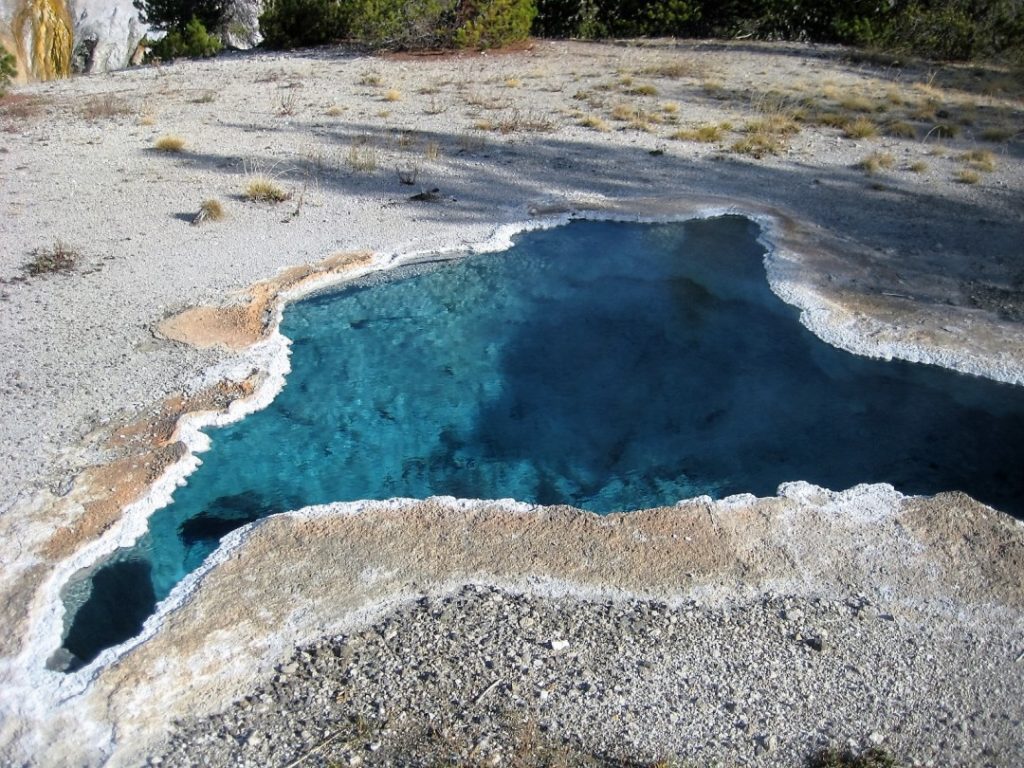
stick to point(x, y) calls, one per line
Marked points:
point(527, 681)
point(77, 352)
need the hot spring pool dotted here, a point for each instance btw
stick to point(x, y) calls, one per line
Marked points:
point(610, 366)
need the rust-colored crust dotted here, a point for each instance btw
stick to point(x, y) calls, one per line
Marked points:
point(139, 452)
point(241, 325)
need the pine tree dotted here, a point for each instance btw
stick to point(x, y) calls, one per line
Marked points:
point(175, 15)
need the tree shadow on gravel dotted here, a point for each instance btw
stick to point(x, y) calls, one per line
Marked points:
point(946, 243)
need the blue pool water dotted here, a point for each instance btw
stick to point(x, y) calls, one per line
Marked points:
point(606, 365)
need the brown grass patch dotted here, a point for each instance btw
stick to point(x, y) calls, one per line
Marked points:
point(861, 128)
point(169, 143)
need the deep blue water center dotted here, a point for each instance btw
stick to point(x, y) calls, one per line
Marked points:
point(605, 365)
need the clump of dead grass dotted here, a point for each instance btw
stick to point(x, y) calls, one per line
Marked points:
point(980, 160)
point(260, 188)
point(900, 129)
point(758, 145)
point(861, 128)
point(209, 210)
point(363, 158)
point(106, 106)
point(595, 123)
point(706, 133)
point(56, 259)
point(967, 176)
point(169, 143)
point(876, 162)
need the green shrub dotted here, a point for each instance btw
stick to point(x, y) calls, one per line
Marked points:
point(177, 15)
point(294, 23)
point(395, 25)
point(8, 70)
point(192, 42)
point(956, 29)
point(496, 23)
point(590, 19)
point(431, 24)
point(947, 29)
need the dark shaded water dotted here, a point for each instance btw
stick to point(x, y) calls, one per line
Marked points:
point(610, 366)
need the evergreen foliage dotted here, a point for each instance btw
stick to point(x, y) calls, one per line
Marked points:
point(193, 42)
point(176, 15)
point(947, 29)
point(8, 69)
point(294, 23)
point(397, 24)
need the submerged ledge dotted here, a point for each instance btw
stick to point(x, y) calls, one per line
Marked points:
point(799, 263)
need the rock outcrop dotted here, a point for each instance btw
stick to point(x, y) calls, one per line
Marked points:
point(52, 38)
point(107, 34)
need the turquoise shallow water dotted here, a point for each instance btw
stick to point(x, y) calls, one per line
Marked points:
point(606, 365)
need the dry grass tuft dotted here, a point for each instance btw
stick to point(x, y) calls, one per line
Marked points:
point(335, 110)
point(876, 162)
point(706, 133)
point(594, 123)
point(776, 124)
point(624, 112)
point(372, 79)
point(980, 160)
point(918, 166)
point(896, 97)
point(170, 143)
point(209, 210)
point(854, 102)
point(362, 158)
point(861, 128)
point(758, 145)
point(432, 151)
point(945, 131)
point(967, 176)
point(833, 119)
point(926, 110)
point(105, 107)
point(643, 90)
point(20, 106)
point(901, 129)
point(61, 258)
point(392, 95)
point(263, 189)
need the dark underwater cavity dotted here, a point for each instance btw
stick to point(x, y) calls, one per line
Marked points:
point(605, 365)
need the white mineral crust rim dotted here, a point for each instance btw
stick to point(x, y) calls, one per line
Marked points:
point(38, 689)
